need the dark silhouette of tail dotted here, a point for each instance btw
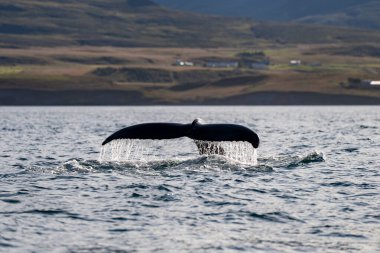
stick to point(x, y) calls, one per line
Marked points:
point(154, 131)
point(195, 131)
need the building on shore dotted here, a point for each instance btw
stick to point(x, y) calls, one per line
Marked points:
point(357, 83)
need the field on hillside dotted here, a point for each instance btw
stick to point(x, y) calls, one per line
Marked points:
point(153, 73)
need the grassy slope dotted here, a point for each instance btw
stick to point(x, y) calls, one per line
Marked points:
point(131, 23)
point(112, 23)
point(150, 71)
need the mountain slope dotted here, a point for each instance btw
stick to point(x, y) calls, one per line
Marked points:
point(320, 11)
point(364, 15)
point(113, 22)
point(142, 23)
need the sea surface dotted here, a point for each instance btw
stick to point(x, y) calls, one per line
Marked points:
point(315, 186)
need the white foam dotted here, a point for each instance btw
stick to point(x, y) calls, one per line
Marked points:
point(239, 151)
point(153, 150)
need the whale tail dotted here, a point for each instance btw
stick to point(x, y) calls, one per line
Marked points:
point(153, 131)
point(196, 131)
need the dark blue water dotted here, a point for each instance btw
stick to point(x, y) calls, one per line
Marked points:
point(315, 188)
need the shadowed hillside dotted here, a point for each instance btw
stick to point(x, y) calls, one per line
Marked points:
point(126, 23)
point(142, 23)
point(366, 15)
point(351, 13)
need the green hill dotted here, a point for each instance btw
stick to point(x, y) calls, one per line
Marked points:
point(142, 23)
point(126, 23)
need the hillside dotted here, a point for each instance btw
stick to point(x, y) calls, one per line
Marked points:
point(142, 23)
point(366, 15)
point(124, 23)
point(113, 75)
point(61, 52)
point(351, 13)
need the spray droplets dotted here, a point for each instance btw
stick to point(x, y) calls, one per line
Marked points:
point(152, 150)
point(239, 151)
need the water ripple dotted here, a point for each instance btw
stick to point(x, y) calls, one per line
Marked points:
point(315, 187)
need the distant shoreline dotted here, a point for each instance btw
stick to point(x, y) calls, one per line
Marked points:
point(25, 97)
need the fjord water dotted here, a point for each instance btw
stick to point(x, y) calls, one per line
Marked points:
point(315, 187)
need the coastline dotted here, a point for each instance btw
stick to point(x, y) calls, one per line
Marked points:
point(25, 97)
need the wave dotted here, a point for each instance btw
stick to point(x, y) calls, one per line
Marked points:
point(290, 162)
point(278, 217)
point(198, 164)
point(193, 164)
point(314, 157)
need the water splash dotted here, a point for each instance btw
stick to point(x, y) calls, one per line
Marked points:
point(239, 151)
point(314, 157)
point(293, 161)
point(153, 150)
point(131, 150)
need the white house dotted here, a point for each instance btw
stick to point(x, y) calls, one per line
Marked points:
point(184, 63)
point(295, 62)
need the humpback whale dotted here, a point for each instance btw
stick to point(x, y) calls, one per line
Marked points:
point(197, 131)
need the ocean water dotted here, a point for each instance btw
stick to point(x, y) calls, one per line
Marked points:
point(314, 187)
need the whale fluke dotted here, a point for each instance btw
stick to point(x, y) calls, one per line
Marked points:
point(153, 131)
point(196, 131)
